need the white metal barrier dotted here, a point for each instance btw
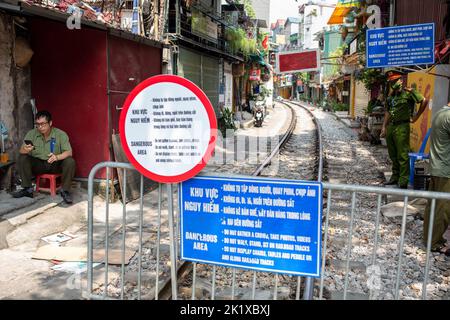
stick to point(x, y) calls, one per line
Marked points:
point(375, 193)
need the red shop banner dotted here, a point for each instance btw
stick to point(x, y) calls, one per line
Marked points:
point(255, 75)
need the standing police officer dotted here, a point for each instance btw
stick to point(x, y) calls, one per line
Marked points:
point(396, 126)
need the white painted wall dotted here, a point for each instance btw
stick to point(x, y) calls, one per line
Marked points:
point(262, 10)
point(315, 23)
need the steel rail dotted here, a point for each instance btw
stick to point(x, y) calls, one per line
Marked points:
point(309, 282)
point(185, 267)
point(319, 143)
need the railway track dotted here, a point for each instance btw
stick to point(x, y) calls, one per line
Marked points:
point(356, 238)
point(186, 268)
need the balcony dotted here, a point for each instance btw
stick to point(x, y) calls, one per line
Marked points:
point(199, 26)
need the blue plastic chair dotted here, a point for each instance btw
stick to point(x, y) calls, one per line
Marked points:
point(413, 157)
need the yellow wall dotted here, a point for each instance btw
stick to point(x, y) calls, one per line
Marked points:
point(285, 92)
point(361, 99)
point(424, 83)
point(353, 97)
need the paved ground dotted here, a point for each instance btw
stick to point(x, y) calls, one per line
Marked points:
point(23, 222)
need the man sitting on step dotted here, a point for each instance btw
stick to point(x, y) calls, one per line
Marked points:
point(46, 149)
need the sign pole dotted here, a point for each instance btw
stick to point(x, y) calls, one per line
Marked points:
point(173, 254)
point(168, 130)
point(309, 289)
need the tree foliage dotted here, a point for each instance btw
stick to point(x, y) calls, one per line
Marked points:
point(371, 78)
point(248, 8)
point(239, 41)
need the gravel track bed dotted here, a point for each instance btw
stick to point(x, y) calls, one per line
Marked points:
point(348, 161)
point(287, 165)
point(257, 144)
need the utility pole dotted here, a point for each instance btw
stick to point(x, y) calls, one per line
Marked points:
point(392, 13)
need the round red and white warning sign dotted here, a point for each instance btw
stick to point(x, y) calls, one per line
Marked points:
point(168, 128)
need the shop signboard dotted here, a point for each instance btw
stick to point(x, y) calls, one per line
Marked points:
point(286, 80)
point(298, 61)
point(400, 46)
point(255, 75)
point(253, 223)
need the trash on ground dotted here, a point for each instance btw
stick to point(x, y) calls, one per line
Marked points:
point(73, 267)
point(74, 254)
point(58, 238)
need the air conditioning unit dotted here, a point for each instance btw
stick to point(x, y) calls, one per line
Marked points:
point(166, 55)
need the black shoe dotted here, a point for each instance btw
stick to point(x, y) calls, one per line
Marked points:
point(66, 196)
point(23, 193)
point(442, 250)
point(391, 183)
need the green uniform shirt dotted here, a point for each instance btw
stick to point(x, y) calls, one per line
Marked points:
point(401, 105)
point(42, 148)
point(440, 144)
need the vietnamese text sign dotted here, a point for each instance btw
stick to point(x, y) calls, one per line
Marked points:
point(168, 128)
point(253, 223)
point(298, 61)
point(400, 46)
point(255, 75)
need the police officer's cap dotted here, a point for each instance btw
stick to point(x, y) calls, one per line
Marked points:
point(394, 75)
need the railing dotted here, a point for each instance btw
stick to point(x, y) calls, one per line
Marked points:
point(353, 214)
point(204, 40)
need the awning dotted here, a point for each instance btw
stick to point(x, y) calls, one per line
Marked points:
point(342, 9)
point(338, 15)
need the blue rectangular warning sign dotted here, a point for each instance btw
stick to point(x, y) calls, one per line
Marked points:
point(400, 46)
point(252, 223)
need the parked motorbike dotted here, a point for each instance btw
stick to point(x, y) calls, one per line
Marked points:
point(258, 113)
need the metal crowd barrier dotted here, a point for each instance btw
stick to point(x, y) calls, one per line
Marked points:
point(406, 194)
point(354, 190)
point(90, 270)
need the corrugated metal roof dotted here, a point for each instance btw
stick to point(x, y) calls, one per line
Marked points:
point(418, 11)
point(34, 9)
point(280, 22)
point(293, 20)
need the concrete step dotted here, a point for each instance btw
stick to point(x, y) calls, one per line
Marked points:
point(10, 204)
point(45, 217)
point(247, 124)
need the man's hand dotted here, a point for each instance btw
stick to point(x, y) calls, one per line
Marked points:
point(27, 148)
point(408, 89)
point(423, 107)
point(415, 118)
point(52, 158)
point(383, 132)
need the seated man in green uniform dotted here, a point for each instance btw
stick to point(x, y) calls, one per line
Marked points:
point(45, 150)
point(396, 126)
point(440, 180)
